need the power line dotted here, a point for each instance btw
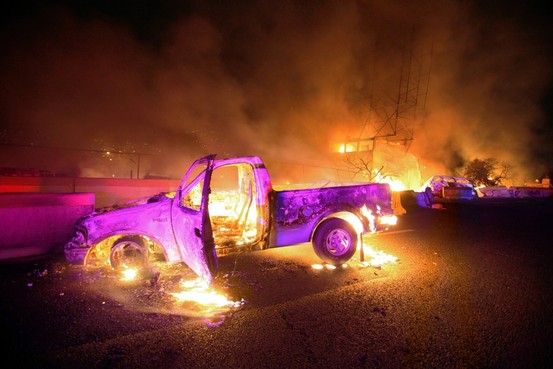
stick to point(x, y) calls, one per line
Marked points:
point(76, 149)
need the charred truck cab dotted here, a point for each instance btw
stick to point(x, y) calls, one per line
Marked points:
point(222, 206)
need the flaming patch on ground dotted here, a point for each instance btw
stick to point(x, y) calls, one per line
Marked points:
point(211, 303)
point(164, 289)
point(371, 257)
point(376, 258)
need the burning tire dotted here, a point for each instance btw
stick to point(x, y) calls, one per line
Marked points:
point(335, 241)
point(128, 252)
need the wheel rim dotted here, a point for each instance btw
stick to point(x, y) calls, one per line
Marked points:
point(338, 242)
point(128, 254)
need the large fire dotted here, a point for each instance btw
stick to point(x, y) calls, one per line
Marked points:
point(395, 184)
point(378, 176)
point(346, 147)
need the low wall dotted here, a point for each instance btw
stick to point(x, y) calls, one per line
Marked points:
point(516, 191)
point(38, 214)
point(108, 191)
point(521, 192)
point(33, 224)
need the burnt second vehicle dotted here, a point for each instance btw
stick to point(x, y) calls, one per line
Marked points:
point(441, 189)
point(227, 205)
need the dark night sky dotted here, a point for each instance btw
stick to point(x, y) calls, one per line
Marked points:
point(273, 78)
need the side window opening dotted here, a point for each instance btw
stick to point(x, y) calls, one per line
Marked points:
point(193, 199)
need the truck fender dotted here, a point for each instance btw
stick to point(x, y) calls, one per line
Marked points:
point(117, 246)
point(345, 215)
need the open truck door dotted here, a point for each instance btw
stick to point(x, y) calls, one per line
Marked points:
point(191, 221)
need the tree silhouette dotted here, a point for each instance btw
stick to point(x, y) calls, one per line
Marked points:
point(487, 172)
point(365, 168)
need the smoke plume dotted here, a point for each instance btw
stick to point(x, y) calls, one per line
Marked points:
point(286, 80)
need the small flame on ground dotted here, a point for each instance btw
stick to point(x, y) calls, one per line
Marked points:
point(327, 266)
point(377, 258)
point(374, 258)
point(199, 292)
point(129, 274)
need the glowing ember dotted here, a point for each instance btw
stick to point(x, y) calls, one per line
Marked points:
point(129, 274)
point(317, 266)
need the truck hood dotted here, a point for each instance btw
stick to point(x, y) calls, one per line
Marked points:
point(148, 216)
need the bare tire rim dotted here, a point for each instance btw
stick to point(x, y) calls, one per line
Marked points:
point(127, 254)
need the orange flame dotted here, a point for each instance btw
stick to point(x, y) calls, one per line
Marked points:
point(377, 258)
point(370, 217)
point(388, 219)
point(327, 266)
point(198, 291)
point(384, 219)
point(395, 184)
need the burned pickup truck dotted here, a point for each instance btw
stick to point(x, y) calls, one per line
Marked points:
point(226, 205)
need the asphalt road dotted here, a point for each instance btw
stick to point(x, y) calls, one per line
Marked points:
point(471, 289)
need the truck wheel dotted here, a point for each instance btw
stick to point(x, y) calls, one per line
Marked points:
point(128, 253)
point(335, 242)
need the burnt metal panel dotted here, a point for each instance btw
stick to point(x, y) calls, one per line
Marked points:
point(300, 207)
